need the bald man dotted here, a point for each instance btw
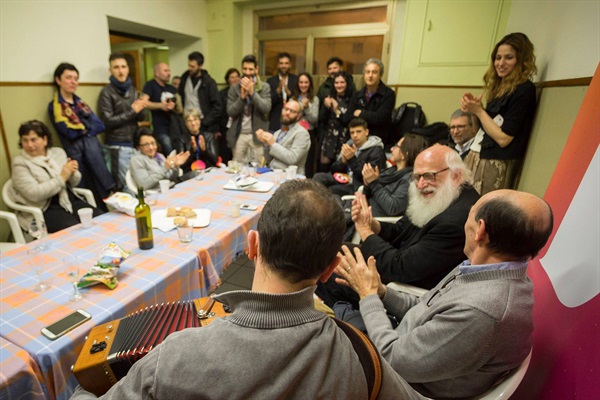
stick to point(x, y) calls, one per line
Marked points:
point(463, 336)
point(160, 100)
point(426, 244)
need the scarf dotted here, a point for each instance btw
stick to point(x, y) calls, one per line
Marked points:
point(122, 87)
point(76, 116)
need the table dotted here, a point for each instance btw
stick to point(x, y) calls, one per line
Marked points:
point(170, 271)
point(20, 376)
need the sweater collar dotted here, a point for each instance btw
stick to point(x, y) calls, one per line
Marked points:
point(271, 311)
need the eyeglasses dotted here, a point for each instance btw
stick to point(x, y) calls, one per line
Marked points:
point(428, 176)
point(290, 110)
point(148, 144)
point(456, 127)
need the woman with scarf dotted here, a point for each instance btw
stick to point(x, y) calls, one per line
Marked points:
point(333, 132)
point(148, 166)
point(77, 128)
point(43, 177)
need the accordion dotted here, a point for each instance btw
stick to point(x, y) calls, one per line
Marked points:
point(112, 348)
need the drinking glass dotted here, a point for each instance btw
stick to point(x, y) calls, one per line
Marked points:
point(36, 262)
point(38, 230)
point(71, 267)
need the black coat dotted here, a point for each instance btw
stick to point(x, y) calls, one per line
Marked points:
point(119, 118)
point(422, 256)
point(277, 100)
point(208, 95)
point(377, 112)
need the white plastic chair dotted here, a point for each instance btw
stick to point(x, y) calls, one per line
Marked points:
point(37, 212)
point(511, 382)
point(16, 232)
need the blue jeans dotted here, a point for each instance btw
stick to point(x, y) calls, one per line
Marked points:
point(161, 133)
point(121, 156)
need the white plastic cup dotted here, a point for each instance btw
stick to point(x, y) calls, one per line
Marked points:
point(291, 172)
point(235, 208)
point(164, 185)
point(278, 175)
point(199, 173)
point(85, 216)
point(185, 233)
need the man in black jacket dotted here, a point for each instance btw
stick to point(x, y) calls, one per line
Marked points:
point(427, 243)
point(282, 87)
point(120, 109)
point(198, 90)
point(374, 103)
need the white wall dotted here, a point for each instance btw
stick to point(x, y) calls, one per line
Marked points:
point(566, 35)
point(36, 35)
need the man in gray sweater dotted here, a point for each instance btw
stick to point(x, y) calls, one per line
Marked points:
point(463, 336)
point(274, 344)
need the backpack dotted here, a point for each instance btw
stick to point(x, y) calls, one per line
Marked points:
point(405, 118)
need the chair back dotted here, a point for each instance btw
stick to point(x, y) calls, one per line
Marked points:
point(17, 234)
point(511, 382)
point(131, 185)
point(37, 213)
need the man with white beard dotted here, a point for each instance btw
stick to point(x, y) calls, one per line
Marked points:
point(425, 245)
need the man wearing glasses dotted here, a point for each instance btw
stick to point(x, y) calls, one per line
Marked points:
point(290, 144)
point(427, 243)
point(461, 338)
point(463, 127)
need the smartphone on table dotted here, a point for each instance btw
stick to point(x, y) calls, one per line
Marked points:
point(66, 324)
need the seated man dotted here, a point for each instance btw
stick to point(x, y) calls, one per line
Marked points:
point(463, 128)
point(360, 150)
point(274, 345)
point(461, 338)
point(289, 145)
point(426, 244)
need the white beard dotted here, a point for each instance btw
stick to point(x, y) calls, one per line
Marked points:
point(421, 210)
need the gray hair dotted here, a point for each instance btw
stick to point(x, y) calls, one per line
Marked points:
point(375, 61)
point(473, 120)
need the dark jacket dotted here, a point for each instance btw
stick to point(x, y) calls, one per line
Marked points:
point(422, 256)
point(327, 89)
point(388, 195)
point(115, 111)
point(208, 95)
point(377, 112)
point(371, 152)
point(181, 139)
point(277, 100)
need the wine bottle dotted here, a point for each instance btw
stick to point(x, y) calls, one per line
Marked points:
point(143, 222)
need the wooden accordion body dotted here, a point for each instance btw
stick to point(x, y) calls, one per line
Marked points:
point(111, 349)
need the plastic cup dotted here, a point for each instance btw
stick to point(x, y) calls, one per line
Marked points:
point(185, 233)
point(291, 172)
point(199, 174)
point(278, 175)
point(164, 185)
point(85, 216)
point(235, 208)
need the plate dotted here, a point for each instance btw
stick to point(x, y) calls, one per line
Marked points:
point(246, 182)
point(259, 186)
point(164, 223)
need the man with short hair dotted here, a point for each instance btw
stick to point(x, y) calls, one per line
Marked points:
point(248, 105)
point(426, 244)
point(334, 65)
point(160, 100)
point(290, 144)
point(120, 109)
point(282, 87)
point(198, 91)
point(176, 82)
point(466, 334)
point(374, 103)
point(274, 344)
point(463, 128)
point(358, 151)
